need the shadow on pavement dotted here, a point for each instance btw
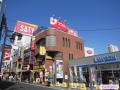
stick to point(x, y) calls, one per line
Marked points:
point(5, 84)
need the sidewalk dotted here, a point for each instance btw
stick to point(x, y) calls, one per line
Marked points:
point(55, 87)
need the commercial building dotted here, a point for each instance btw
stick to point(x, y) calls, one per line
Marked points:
point(54, 50)
point(96, 70)
point(20, 44)
point(112, 48)
point(39, 54)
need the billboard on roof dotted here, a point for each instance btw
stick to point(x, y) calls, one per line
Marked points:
point(89, 51)
point(58, 24)
point(25, 28)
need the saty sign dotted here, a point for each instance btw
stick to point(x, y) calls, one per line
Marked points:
point(25, 28)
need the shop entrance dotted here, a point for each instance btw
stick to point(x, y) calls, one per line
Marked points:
point(108, 74)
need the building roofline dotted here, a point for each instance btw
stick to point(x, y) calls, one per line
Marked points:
point(97, 55)
point(57, 31)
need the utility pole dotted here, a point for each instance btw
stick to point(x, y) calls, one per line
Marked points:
point(3, 45)
point(5, 26)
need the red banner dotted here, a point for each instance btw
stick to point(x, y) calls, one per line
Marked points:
point(25, 28)
point(73, 32)
point(7, 53)
point(58, 24)
point(33, 43)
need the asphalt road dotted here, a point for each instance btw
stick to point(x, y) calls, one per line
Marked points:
point(6, 85)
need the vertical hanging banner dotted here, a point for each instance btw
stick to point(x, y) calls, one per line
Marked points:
point(33, 43)
point(32, 57)
point(59, 68)
point(7, 53)
point(81, 73)
point(71, 74)
point(25, 28)
point(58, 24)
point(75, 70)
point(92, 71)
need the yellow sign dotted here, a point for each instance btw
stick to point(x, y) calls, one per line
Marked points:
point(29, 24)
point(58, 84)
point(38, 67)
point(49, 57)
point(37, 70)
point(83, 86)
point(64, 84)
point(42, 50)
point(73, 85)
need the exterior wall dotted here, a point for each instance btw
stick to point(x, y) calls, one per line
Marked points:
point(48, 64)
point(90, 60)
point(59, 47)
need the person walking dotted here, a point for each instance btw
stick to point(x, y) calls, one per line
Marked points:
point(48, 81)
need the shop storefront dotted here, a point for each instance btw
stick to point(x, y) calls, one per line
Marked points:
point(96, 70)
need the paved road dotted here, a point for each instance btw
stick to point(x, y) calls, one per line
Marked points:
point(5, 85)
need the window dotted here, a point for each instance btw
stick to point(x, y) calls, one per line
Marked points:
point(69, 43)
point(41, 42)
point(70, 56)
point(79, 46)
point(66, 42)
point(63, 42)
point(51, 40)
point(76, 45)
point(59, 54)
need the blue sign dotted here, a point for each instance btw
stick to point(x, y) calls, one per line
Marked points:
point(105, 59)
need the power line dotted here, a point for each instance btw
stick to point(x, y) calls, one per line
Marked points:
point(102, 29)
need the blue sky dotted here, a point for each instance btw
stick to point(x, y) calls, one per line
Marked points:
point(81, 15)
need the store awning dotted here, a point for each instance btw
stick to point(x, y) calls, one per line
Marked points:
point(95, 64)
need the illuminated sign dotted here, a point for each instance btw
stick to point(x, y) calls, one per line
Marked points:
point(104, 59)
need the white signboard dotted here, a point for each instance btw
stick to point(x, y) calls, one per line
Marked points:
point(89, 51)
point(59, 68)
point(109, 86)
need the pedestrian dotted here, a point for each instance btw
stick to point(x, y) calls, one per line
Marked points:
point(0, 77)
point(48, 81)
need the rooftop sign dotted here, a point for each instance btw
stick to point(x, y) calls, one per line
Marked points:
point(62, 26)
point(25, 28)
point(104, 59)
point(58, 24)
